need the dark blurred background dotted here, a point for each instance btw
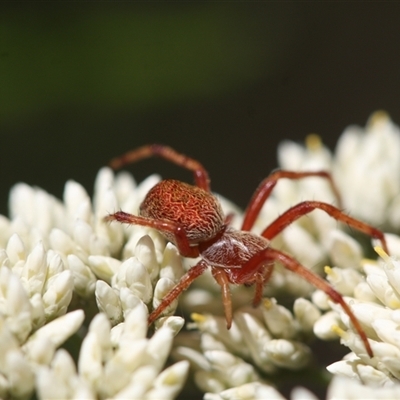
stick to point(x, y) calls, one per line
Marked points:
point(222, 82)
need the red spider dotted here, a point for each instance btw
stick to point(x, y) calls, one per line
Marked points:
point(191, 217)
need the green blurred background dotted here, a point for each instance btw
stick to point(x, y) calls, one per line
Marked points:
point(223, 82)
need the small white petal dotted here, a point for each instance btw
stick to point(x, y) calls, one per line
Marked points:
point(108, 302)
point(40, 351)
point(90, 360)
point(306, 314)
point(84, 278)
point(216, 326)
point(8, 342)
point(255, 336)
point(162, 288)
point(35, 270)
point(58, 295)
point(383, 291)
point(134, 276)
point(37, 311)
point(288, 354)
point(75, 196)
point(232, 370)
point(15, 249)
point(15, 304)
point(159, 347)
point(344, 251)
point(321, 300)
point(196, 359)
point(171, 265)
point(135, 325)
point(60, 329)
point(128, 301)
point(19, 373)
point(343, 279)
point(104, 267)
point(387, 330)
point(323, 326)
point(145, 253)
point(168, 384)
point(118, 369)
point(278, 319)
point(300, 393)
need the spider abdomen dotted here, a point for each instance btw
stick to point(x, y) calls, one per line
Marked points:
point(196, 210)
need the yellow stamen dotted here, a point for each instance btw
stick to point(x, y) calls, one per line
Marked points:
point(196, 317)
point(378, 117)
point(267, 303)
point(382, 253)
point(313, 142)
point(328, 270)
point(339, 331)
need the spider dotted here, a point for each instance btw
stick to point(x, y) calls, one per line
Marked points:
point(191, 217)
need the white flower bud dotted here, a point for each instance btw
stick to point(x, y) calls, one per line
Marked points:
point(14, 304)
point(76, 201)
point(40, 351)
point(278, 319)
point(288, 354)
point(162, 288)
point(34, 272)
point(84, 278)
point(37, 311)
point(300, 393)
point(216, 326)
point(61, 328)
point(108, 302)
point(323, 326)
point(306, 313)
point(135, 325)
point(171, 265)
point(168, 384)
point(343, 280)
point(255, 336)
point(146, 254)
point(159, 347)
point(15, 249)
point(90, 360)
point(134, 276)
point(128, 301)
point(232, 370)
point(104, 267)
point(344, 251)
point(19, 373)
point(58, 295)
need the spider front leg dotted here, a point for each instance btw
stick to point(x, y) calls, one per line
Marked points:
point(265, 188)
point(200, 174)
point(175, 229)
point(301, 209)
point(186, 280)
point(268, 255)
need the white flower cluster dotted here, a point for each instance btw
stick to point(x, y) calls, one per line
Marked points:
point(58, 259)
point(55, 257)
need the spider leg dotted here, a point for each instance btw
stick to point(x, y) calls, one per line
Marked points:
point(264, 190)
point(297, 211)
point(220, 276)
point(200, 174)
point(262, 277)
point(246, 274)
point(186, 280)
point(181, 239)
